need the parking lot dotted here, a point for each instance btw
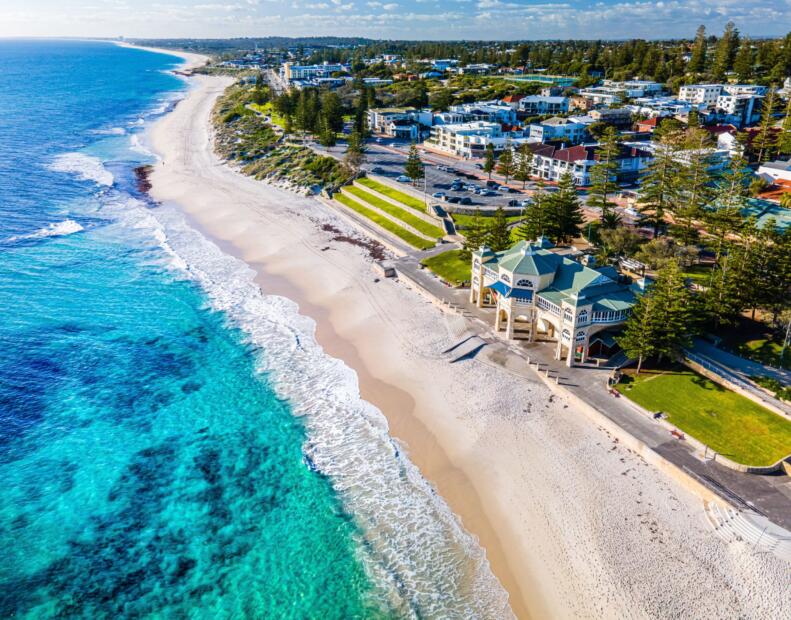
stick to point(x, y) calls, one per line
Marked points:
point(382, 160)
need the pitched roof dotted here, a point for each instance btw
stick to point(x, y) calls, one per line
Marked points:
point(526, 259)
point(512, 98)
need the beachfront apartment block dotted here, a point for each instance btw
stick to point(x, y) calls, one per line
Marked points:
point(291, 72)
point(537, 292)
point(559, 129)
point(469, 140)
point(537, 105)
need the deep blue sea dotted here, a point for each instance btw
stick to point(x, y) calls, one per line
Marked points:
point(170, 445)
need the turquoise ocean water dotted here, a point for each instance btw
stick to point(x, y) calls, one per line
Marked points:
point(170, 445)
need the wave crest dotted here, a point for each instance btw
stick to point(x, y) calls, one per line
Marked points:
point(56, 229)
point(84, 167)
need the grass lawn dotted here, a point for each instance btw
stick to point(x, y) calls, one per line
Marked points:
point(449, 266)
point(401, 214)
point(406, 199)
point(699, 274)
point(465, 221)
point(764, 351)
point(729, 423)
point(383, 222)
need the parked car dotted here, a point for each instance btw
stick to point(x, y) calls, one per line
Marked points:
point(509, 190)
point(442, 168)
point(466, 200)
point(526, 202)
point(492, 185)
point(454, 199)
point(489, 192)
point(479, 166)
point(514, 203)
point(378, 170)
point(438, 195)
point(403, 179)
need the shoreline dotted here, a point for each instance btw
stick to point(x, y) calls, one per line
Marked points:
point(513, 478)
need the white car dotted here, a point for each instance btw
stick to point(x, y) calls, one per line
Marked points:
point(438, 195)
point(403, 179)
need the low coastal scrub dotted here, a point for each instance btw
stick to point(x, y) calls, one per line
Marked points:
point(242, 135)
point(386, 190)
point(450, 266)
point(301, 166)
point(405, 216)
point(383, 222)
point(729, 423)
point(773, 385)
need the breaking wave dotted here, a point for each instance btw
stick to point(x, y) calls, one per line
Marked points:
point(84, 167)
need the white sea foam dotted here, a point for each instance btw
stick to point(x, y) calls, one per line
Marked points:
point(84, 167)
point(56, 229)
point(137, 146)
point(425, 564)
point(112, 131)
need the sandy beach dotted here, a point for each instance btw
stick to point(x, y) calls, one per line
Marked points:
point(573, 524)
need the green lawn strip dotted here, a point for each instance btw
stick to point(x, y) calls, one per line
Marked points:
point(397, 212)
point(450, 266)
point(465, 221)
point(399, 196)
point(388, 224)
point(729, 423)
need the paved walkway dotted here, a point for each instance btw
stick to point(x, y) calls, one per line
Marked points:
point(769, 495)
point(740, 365)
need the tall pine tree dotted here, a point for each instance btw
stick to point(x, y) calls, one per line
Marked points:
point(604, 175)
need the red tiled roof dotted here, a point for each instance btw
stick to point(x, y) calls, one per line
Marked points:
point(512, 98)
point(718, 129)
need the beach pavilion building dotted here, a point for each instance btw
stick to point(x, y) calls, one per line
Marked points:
point(537, 292)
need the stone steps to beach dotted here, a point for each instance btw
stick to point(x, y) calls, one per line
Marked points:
point(392, 218)
point(753, 529)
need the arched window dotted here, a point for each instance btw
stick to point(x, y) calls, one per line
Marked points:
point(567, 315)
point(580, 336)
point(525, 283)
point(477, 263)
point(566, 334)
point(582, 317)
point(504, 277)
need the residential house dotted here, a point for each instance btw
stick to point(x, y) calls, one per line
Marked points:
point(558, 129)
point(535, 291)
point(777, 170)
point(700, 93)
point(403, 123)
point(634, 88)
point(551, 162)
point(602, 95)
point(618, 117)
point(536, 105)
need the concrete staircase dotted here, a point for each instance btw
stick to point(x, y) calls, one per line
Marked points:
point(751, 528)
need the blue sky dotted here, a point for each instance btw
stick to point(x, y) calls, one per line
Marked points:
point(406, 19)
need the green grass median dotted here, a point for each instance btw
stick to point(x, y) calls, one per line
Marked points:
point(390, 192)
point(383, 222)
point(397, 212)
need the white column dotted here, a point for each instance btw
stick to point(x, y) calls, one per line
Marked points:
point(559, 348)
point(570, 356)
point(509, 326)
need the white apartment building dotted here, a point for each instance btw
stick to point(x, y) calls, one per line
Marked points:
point(745, 89)
point(743, 109)
point(489, 111)
point(700, 93)
point(469, 140)
point(291, 71)
point(557, 128)
point(634, 88)
point(535, 105)
point(398, 122)
point(603, 95)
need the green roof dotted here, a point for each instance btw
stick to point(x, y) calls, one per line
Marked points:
point(573, 277)
point(525, 259)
